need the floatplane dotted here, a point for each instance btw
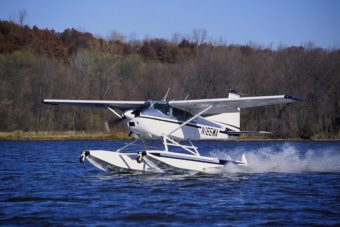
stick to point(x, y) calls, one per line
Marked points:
point(173, 122)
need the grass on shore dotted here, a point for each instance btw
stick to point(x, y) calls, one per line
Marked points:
point(62, 135)
point(82, 135)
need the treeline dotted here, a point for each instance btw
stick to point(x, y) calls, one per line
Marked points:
point(38, 63)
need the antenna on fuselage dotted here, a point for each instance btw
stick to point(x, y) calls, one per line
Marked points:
point(163, 99)
point(166, 95)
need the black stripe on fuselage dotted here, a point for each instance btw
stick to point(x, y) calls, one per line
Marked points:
point(179, 123)
point(218, 162)
point(174, 122)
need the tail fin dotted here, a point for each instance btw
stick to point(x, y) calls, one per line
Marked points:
point(231, 119)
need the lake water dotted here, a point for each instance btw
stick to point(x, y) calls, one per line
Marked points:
point(286, 183)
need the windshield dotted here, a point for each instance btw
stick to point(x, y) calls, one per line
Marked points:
point(163, 107)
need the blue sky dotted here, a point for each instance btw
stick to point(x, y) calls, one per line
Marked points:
point(264, 22)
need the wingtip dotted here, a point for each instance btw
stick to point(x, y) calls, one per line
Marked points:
point(265, 132)
point(294, 98)
point(46, 101)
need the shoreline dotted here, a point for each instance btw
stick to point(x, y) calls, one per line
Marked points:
point(61, 135)
point(82, 135)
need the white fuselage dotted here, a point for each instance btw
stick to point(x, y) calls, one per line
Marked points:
point(152, 123)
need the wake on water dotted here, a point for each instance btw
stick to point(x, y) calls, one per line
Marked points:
point(285, 159)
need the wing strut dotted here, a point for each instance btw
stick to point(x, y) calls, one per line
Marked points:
point(192, 149)
point(191, 119)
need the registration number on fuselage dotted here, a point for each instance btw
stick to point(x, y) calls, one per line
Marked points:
point(208, 131)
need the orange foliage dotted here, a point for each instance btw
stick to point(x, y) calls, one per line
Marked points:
point(62, 45)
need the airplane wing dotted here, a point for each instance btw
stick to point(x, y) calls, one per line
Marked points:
point(121, 105)
point(230, 105)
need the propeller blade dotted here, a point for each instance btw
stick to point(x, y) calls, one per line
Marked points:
point(117, 120)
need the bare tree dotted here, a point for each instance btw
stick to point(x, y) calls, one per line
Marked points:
point(21, 17)
point(117, 36)
point(199, 36)
point(176, 37)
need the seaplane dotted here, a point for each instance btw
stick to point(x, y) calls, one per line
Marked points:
point(176, 124)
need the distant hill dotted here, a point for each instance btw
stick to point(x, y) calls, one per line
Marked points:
point(62, 45)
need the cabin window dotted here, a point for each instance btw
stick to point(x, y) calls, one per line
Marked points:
point(181, 115)
point(166, 109)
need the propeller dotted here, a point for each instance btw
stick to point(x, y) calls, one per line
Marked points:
point(121, 117)
point(117, 120)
